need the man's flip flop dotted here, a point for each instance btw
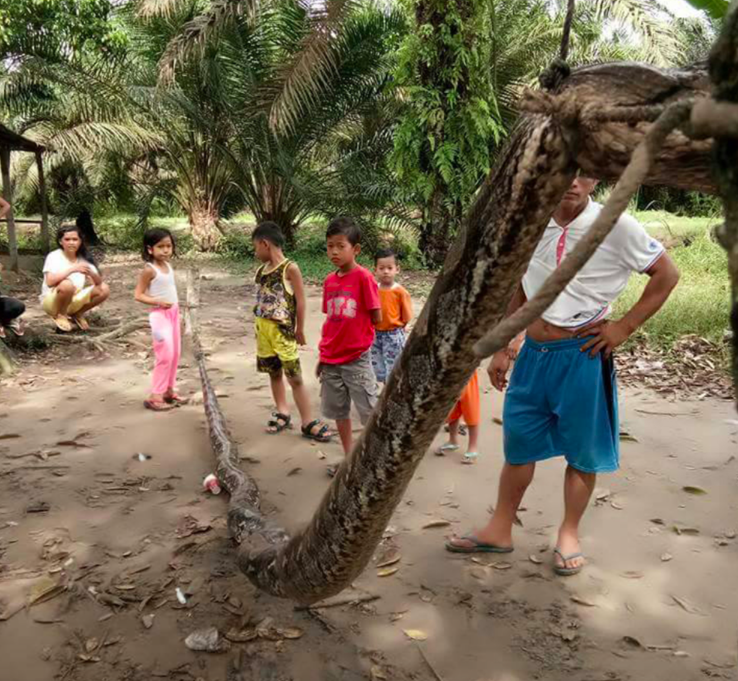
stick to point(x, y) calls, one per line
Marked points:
point(476, 547)
point(562, 571)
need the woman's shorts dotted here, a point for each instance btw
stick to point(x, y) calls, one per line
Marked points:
point(79, 300)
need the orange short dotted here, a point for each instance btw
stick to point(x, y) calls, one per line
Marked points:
point(468, 404)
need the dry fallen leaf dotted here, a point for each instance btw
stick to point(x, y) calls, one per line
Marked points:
point(241, 635)
point(583, 601)
point(501, 565)
point(386, 572)
point(633, 641)
point(415, 634)
point(685, 530)
point(632, 574)
point(686, 605)
point(535, 559)
point(389, 558)
point(666, 557)
point(436, 523)
point(691, 489)
point(291, 633)
point(377, 674)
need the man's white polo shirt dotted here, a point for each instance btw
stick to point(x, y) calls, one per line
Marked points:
point(628, 248)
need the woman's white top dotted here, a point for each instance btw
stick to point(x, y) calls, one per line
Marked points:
point(57, 262)
point(163, 286)
point(587, 298)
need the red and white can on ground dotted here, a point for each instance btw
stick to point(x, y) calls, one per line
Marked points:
point(211, 484)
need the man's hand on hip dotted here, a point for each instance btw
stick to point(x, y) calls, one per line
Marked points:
point(605, 336)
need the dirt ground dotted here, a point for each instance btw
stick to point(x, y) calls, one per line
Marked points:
point(94, 542)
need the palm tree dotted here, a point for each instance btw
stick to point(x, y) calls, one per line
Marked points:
point(229, 124)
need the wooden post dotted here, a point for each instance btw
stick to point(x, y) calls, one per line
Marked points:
point(44, 207)
point(8, 192)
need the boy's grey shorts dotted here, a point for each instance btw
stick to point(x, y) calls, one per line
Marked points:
point(342, 384)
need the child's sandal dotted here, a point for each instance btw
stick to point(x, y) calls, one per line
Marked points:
point(175, 399)
point(157, 405)
point(322, 435)
point(470, 458)
point(279, 423)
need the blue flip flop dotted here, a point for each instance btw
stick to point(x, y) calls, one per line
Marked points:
point(477, 546)
point(565, 571)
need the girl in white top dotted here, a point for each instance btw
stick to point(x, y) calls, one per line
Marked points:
point(72, 284)
point(157, 287)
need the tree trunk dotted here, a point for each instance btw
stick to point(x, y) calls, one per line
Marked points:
point(8, 191)
point(724, 75)
point(470, 296)
point(45, 238)
point(87, 228)
point(205, 227)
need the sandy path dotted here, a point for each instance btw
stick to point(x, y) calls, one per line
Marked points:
point(511, 621)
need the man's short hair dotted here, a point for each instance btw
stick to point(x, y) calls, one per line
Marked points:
point(344, 226)
point(269, 231)
point(384, 253)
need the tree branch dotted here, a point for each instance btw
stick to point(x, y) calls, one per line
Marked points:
point(626, 187)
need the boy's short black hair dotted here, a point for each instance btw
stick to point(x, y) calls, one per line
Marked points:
point(346, 227)
point(269, 231)
point(384, 253)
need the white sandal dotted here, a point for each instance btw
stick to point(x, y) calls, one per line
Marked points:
point(448, 447)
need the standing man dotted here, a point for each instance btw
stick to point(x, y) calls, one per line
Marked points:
point(562, 399)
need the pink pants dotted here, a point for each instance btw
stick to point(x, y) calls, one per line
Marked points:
point(167, 348)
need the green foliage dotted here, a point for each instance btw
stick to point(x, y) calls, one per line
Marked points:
point(237, 244)
point(701, 302)
point(443, 139)
point(57, 27)
point(717, 9)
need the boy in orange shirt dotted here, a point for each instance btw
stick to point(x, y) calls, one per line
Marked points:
point(397, 311)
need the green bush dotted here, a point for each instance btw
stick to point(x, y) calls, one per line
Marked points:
point(700, 304)
point(237, 245)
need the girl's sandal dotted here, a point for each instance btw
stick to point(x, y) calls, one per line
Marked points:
point(63, 323)
point(157, 405)
point(279, 423)
point(322, 435)
point(175, 399)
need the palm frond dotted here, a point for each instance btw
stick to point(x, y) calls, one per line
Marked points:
point(202, 31)
point(311, 69)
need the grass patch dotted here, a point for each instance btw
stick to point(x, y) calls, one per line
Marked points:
point(700, 303)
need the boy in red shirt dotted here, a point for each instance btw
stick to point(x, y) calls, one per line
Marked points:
point(351, 303)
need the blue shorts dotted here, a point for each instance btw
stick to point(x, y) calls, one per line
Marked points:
point(562, 402)
point(386, 350)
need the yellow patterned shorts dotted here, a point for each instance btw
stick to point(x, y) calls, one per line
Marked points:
point(275, 352)
point(80, 299)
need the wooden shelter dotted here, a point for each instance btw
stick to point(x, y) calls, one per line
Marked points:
point(9, 142)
